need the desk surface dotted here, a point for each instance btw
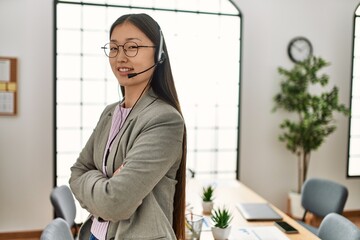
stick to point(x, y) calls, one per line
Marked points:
point(230, 192)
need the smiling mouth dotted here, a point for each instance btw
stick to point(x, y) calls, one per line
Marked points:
point(124, 69)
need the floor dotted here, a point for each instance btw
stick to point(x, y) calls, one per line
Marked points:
point(355, 219)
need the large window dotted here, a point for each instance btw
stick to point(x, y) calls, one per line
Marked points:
point(354, 139)
point(203, 39)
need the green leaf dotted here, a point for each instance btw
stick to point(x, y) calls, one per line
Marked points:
point(221, 217)
point(207, 194)
point(313, 118)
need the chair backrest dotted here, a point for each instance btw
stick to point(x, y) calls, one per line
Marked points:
point(335, 227)
point(322, 197)
point(64, 204)
point(57, 229)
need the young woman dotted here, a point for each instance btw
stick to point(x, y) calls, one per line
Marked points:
point(130, 175)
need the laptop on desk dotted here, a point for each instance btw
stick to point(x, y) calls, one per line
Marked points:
point(258, 212)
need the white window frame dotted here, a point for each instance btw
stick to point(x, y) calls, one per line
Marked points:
point(83, 86)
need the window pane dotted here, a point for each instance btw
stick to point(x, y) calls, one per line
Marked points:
point(86, 133)
point(354, 138)
point(356, 87)
point(355, 107)
point(354, 146)
point(206, 116)
point(228, 7)
point(113, 92)
point(68, 140)
point(68, 66)
point(96, 1)
point(169, 4)
point(94, 92)
point(142, 3)
point(64, 21)
point(90, 21)
point(68, 91)
point(355, 126)
point(68, 116)
point(205, 161)
point(91, 114)
point(64, 163)
point(205, 139)
point(224, 163)
point(354, 166)
point(94, 67)
point(93, 41)
point(228, 116)
point(69, 41)
point(226, 138)
point(209, 99)
point(112, 14)
point(72, 0)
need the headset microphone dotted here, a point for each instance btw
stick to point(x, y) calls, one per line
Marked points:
point(160, 58)
point(131, 75)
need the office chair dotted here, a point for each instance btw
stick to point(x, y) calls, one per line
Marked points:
point(335, 227)
point(57, 229)
point(64, 204)
point(321, 197)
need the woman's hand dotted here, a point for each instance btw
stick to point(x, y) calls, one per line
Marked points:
point(119, 169)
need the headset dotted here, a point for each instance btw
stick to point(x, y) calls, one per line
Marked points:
point(161, 53)
point(159, 60)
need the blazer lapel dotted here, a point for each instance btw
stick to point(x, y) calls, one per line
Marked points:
point(147, 98)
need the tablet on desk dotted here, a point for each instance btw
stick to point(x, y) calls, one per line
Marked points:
point(258, 212)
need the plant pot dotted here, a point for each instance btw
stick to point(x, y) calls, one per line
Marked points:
point(207, 207)
point(221, 233)
point(295, 209)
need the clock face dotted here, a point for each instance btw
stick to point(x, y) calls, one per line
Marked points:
point(299, 49)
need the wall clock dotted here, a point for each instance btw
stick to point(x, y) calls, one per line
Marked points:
point(299, 49)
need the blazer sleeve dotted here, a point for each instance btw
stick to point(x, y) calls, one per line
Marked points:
point(154, 146)
point(85, 162)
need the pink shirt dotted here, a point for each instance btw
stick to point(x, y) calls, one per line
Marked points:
point(99, 229)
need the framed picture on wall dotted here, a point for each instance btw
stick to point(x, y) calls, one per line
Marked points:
point(8, 86)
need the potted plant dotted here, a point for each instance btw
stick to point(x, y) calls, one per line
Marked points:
point(314, 119)
point(207, 199)
point(222, 219)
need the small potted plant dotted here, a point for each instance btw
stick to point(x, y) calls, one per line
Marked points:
point(207, 197)
point(222, 219)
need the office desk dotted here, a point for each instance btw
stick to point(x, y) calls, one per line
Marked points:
point(230, 192)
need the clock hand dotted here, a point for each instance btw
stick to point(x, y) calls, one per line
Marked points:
point(298, 48)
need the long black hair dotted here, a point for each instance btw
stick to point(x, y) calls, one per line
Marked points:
point(163, 85)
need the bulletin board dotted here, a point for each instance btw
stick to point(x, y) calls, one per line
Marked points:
point(8, 86)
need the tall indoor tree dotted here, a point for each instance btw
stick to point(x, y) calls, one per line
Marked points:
point(314, 112)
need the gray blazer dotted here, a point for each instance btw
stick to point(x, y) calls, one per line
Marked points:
point(138, 201)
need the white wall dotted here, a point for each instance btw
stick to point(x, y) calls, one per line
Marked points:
point(26, 141)
point(266, 165)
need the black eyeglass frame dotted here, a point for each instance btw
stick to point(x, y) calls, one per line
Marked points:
point(122, 46)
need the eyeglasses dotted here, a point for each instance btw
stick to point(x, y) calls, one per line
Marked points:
point(130, 49)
